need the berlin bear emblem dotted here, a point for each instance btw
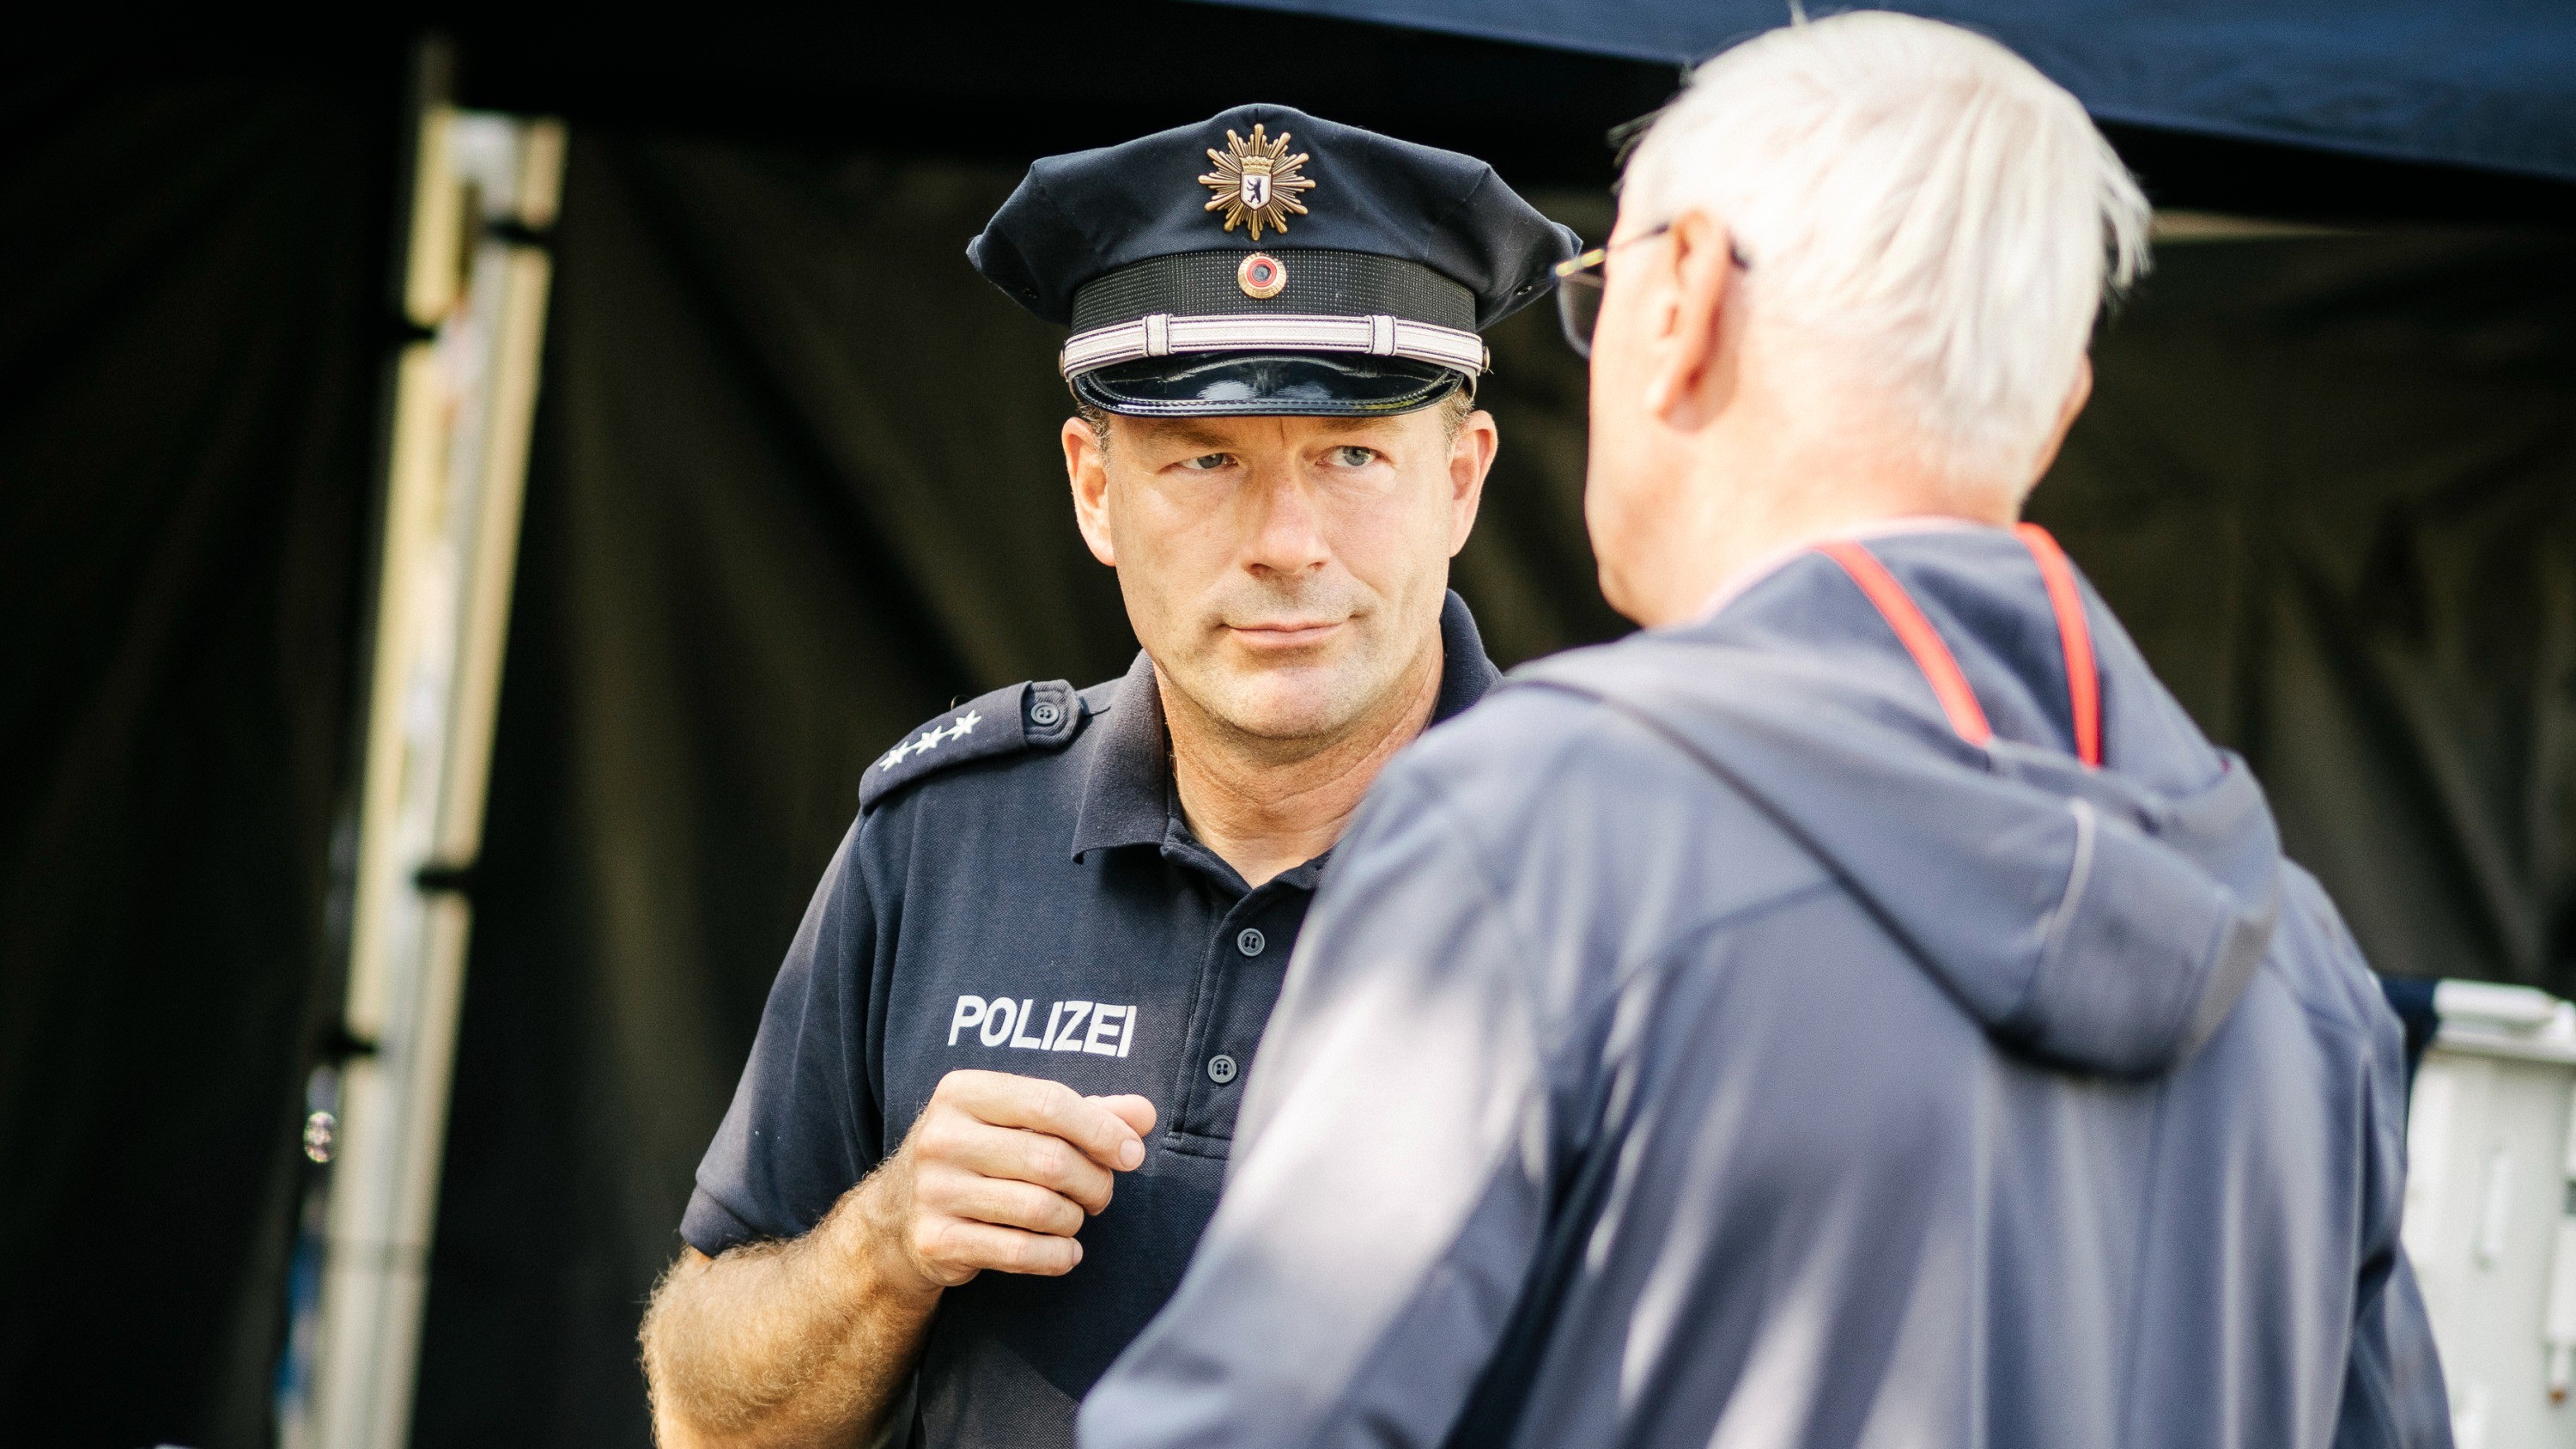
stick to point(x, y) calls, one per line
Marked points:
point(1257, 182)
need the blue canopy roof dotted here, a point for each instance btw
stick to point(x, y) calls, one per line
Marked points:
point(2487, 83)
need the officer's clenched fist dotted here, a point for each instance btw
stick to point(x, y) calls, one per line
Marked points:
point(1000, 1172)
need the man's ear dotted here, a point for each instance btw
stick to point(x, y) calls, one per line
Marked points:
point(1471, 457)
point(1700, 277)
point(2077, 395)
point(1086, 467)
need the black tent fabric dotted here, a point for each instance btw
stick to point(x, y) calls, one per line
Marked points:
point(797, 487)
point(2473, 83)
point(191, 346)
point(2330, 483)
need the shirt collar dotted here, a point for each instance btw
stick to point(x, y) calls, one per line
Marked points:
point(1128, 800)
point(1763, 566)
point(1465, 673)
point(1125, 799)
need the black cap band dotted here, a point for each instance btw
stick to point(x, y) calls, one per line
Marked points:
point(1316, 283)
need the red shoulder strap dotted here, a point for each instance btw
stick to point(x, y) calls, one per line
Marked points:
point(2074, 636)
point(1941, 669)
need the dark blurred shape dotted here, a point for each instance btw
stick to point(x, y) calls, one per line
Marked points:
point(2329, 484)
point(191, 347)
point(2411, 997)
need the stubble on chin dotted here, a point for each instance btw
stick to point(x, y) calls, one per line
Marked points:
point(1283, 701)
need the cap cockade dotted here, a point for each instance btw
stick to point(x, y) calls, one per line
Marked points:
point(1257, 185)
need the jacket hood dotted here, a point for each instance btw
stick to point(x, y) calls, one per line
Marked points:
point(2100, 920)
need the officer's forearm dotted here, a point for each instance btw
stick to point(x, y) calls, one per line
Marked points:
point(800, 1343)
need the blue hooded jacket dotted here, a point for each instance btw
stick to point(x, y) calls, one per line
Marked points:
point(1701, 1043)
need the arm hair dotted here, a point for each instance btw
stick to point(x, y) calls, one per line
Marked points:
point(804, 1342)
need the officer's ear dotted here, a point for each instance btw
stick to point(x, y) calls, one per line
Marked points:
point(1086, 467)
point(1471, 456)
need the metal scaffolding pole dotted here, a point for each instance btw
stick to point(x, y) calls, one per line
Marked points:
point(485, 191)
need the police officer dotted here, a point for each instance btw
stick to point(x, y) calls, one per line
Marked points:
point(990, 1103)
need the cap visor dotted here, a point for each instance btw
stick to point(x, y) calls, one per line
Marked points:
point(1267, 384)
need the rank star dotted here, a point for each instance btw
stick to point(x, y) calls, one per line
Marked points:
point(895, 756)
point(965, 726)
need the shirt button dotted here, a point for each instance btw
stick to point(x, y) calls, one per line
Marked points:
point(1044, 713)
point(1250, 941)
point(1221, 1069)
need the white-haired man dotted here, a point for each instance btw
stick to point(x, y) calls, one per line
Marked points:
point(1861, 1009)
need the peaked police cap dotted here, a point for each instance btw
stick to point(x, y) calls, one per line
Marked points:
point(1266, 261)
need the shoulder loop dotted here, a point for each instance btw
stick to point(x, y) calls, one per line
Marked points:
point(1042, 716)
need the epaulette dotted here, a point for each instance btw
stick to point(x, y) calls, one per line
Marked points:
point(1041, 716)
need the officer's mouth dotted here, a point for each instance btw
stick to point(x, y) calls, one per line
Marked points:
point(1285, 636)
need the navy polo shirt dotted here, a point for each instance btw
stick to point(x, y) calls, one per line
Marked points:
point(1025, 897)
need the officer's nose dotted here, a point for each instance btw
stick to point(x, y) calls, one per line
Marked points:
point(1284, 525)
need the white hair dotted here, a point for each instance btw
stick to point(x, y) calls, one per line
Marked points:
point(1924, 216)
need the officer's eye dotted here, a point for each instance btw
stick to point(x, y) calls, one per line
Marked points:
point(1350, 456)
point(1208, 462)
